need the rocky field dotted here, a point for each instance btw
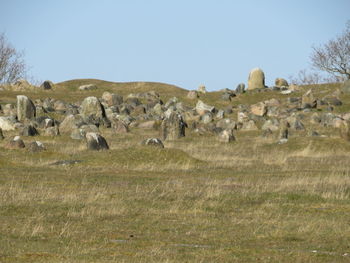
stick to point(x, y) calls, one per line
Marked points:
point(95, 171)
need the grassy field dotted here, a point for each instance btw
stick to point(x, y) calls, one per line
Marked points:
point(197, 200)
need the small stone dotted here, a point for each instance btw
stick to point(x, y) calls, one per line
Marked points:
point(87, 87)
point(226, 136)
point(16, 143)
point(153, 142)
point(35, 146)
point(96, 142)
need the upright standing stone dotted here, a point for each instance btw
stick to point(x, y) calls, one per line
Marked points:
point(256, 79)
point(91, 108)
point(173, 127)
point(25, 108)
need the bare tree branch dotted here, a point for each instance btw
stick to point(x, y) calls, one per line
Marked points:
point(334, 56)
point(12, 65)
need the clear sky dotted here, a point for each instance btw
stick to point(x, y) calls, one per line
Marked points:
point(182, 42)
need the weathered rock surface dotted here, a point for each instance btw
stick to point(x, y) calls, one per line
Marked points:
point(173, 127)
point(96, 142)
point(256, 79)
point(153, 142)
point(25, 108)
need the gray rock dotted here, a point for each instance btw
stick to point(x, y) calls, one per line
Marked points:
point(120, 127)
point(226, 136)
point(207, 117)
point(47, 85)
point(256, 79)
point(70, 123)
point(92, 110)
point(25, 108)
point(35, 146)
point(15, 143)
point(29, 130)
point(80, 133)
point(173, 127)
point(153, 142)
point(51, 131)
point(96, 142)
point(202, 108)
point(7, 124)
point(240, 88)
point(112, 99)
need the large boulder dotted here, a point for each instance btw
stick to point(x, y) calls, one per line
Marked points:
point(80, 133)
point(202, 108)
point(173, 127)
point(256, 79)
point(112, 99)
point(258, 109)
point(7, 124)
point(70, 123)
point(96, 142)
point(25, 108)
point(92, 109)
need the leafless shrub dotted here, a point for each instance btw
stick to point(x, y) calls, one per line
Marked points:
point(334, 56)
point(12, 65)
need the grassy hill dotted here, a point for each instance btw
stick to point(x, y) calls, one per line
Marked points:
point(197, 200)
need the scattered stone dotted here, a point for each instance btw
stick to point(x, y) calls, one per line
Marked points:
point(87, 87)
point(256, 79)
point(240, 88)
point(286, 92)
point(258, 109)
point(51, 131)
point(35, 146)
point(153, 142)
point(272, 125)
point(267, 133)
point(249, 126)
point(112, 99)
point(70, 123)
point(202, 108)
point(280, 82)
point(96, 142)
point(29, 130)
point(173, 127)
point(25, 108)
point(16, 143)
point(148, 125)
point(7, 124)
point(308, 100)
point(92, 110)
point(226, 136)
point(120, 127)
point(47, 85)
point(80, 133)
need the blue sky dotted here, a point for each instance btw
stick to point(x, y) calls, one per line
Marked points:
point(182, 42)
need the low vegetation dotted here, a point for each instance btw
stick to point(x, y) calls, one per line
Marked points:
point(196, 200)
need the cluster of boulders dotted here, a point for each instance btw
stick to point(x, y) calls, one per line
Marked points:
point(83, 120)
